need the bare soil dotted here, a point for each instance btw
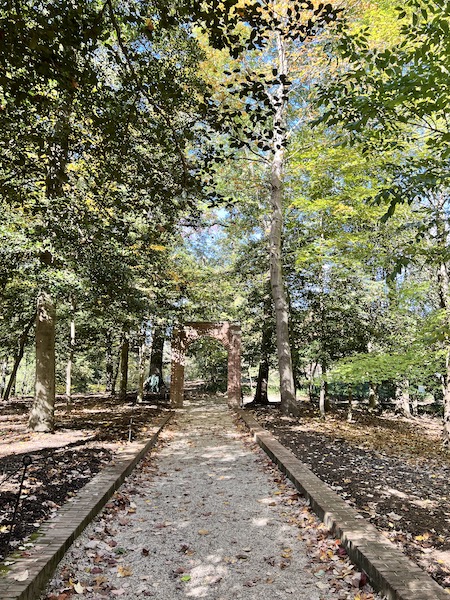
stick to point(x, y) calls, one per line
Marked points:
point(88, 433)
point(393, 470)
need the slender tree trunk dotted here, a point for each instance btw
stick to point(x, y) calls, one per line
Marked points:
point(143, 355)
point(374, 400)
point(124, 367)
point(4, 372)
point(323, 397)
point(42, 412)
point(262, 382)
point(156, 359)
point(116, 372)
point(109, 363)
point(443, 286)
point(18, 358)
point(69, 365)
point(310, 382)
point(350, 405)
point(287, 387)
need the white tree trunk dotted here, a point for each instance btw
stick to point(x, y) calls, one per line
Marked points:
point(42, 412)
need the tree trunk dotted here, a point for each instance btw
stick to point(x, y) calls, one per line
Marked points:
point(373, 396)
point(156, 359)
point(402, 398)
point(262, 382)
point(71, 355)
point(116, 372)
point(287, 388)
point(350, 405)
point(443, 287)
point(109, 367)
point(143, 354)
point(124, 367)
point(42, 412)
point(261, 396)
point(323, 398)
point(311, 381)
point(18, 358)
point(4, 372)
point(446, 427)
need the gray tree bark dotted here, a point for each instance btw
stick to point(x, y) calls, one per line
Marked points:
point(287, 387)
point(42, 412)
point(124, 367)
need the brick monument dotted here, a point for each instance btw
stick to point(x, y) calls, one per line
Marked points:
point(229, 334)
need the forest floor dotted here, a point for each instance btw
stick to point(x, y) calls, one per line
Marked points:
point(89, 431)
point(393, 470)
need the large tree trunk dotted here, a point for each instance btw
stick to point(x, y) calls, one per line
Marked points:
point(287, 388)
point(18, 357)
point(402, 398)
point(42, 412)
point(124, 367)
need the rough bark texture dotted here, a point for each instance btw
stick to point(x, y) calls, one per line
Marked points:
point(42, 412)
point(124, 367)
point(18, 358)
point(287, 388)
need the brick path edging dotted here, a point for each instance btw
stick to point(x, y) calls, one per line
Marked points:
point(388, 569)
point(59, 533)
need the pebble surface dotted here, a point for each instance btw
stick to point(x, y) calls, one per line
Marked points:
point(199, 518)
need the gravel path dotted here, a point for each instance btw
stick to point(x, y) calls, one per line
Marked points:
point(203, 518)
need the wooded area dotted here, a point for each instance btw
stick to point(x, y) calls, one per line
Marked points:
point(280, 164)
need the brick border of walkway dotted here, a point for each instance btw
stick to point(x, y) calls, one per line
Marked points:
point(59, 533)
point(388, 569)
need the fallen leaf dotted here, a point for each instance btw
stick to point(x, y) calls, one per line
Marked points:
point(78, 588)
point(22, 576)
point(203, 532)
point(124, 571)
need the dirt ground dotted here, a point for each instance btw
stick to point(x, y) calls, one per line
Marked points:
point(88, 432)
point(393, 470)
